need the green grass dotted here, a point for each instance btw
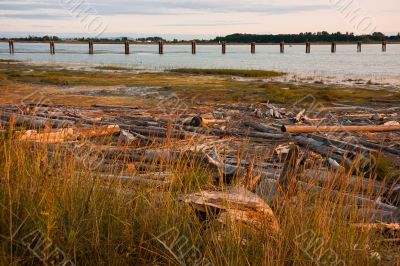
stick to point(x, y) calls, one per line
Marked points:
point(115, 68)
point(229, 72)
point(323, 94)
point(8, 61)
point(189, 87)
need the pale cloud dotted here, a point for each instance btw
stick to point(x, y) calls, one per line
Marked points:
point(192, 17)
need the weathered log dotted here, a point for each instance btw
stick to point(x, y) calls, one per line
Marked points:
point(219, 132)
point(361, 201)
point(370, 215)
point(48, 137)
point(28, 121)
point(341, 144)
point(97, 131)
point(259, 127)
point(235, 205)
point(70, 118)
point(137, 180)
point(150, 131)
point(331, 179)
point(266, 136)
point(36, 122)
point(266, 165)
point(318, 147)
point(269, 187)
point(377, 226)
point(230, 172)
point(315, 129)
point(63, 135)
point(199, 121)
point(378, 147)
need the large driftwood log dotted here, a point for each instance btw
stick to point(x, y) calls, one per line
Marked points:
point(36, 122)
point(260, 127)
point(48, 137)
point(378, 226)
point(151, 131)
point(341, 144)
point(63, 135)
point(337, 180)
point(29, 122)
point(244, 133)
point(318, 147)
point(368, 215)
point(316, 129)
point(199, 121)
point(269, 187)
point(137, 180)
point(235, 205)
point(378, 147)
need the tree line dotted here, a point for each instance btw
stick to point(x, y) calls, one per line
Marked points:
point(31, 38)
point(242, 38)
point(83, 39)
point(307, 37)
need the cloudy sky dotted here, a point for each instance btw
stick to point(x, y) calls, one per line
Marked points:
point(194, 18)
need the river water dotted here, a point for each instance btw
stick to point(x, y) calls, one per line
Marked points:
point(370, 64)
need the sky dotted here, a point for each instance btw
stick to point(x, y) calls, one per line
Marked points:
point(185, 19)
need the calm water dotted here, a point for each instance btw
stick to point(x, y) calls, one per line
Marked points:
point(346, 63)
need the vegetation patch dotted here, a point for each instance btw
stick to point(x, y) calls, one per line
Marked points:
point(230, 72)
point(8, 61)
point(115, 68)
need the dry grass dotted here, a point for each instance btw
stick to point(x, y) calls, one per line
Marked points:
point(98, 221)
point(114, 222)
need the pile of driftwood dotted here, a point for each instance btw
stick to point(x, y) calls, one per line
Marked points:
point(265, 150)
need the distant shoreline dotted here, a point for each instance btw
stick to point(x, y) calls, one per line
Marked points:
point(200, 42)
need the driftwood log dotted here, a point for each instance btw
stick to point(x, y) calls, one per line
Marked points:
point(316, 129)
point(68, 134)
point(235, 205)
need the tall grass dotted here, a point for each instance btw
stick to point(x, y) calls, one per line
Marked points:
point(97, 221)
